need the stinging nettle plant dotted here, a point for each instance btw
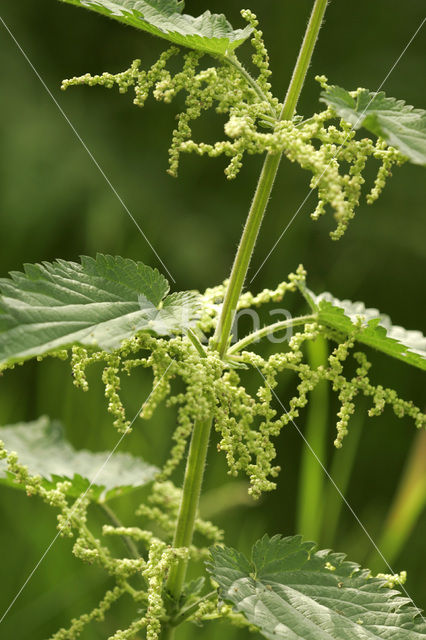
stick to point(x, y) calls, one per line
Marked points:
point(120, 313)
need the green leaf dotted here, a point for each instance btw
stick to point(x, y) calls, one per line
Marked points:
point(291, 591)
point(42, 448)
point(377, 329)
point(210, 33)
point(97, 303)
point(400, 124)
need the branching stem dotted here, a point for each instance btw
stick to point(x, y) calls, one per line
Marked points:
point(268, 330)
point(191, 609)
point(265, 184)
point(234, 62)
point(133, 550)
point(200, 438)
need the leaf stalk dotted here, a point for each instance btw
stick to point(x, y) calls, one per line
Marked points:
point(268, 330)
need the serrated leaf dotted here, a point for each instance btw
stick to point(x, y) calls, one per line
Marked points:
point(400, 124)
point(97, 303)
point(210, 33)
point(292, 591)
point(377, 329)
point(42, 448)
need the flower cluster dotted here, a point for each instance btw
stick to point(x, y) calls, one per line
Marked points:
point(247, 423)
point(169, 360)
point(321, 144)
point(192, 378)
point(213, 297)
point(144, 573)
point(201, 386)
point(393, 580)
point(162, 509)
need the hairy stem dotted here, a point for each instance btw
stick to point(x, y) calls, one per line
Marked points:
point(194, 473)
point(265, 184)
point(197, 344)
point(245, 252)
point(200, 438)
point(233, 61)
point(268, 330)
point(304, 59)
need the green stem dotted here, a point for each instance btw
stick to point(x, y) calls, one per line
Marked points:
point(304, 59)
point(264, 186)
point(245, 251)
point(97, 545)
point(194, 473)
point(195, 465)
point(268, 330)
point(191, 609)
point(341, 470)
point(234, 62)
point(311, 485)
point(197, 344)
point(168, 633)
point(133, 550)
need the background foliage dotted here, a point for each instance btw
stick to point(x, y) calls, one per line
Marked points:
point(54, 203)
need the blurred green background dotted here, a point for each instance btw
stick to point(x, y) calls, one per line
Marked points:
point(55, 203)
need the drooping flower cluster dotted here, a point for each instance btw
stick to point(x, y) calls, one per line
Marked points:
point(169, 360)
point(193, 378)
point(143, 574)
point(247, 423)
point(222, 86)
point(213, 298)
point(322, 144)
